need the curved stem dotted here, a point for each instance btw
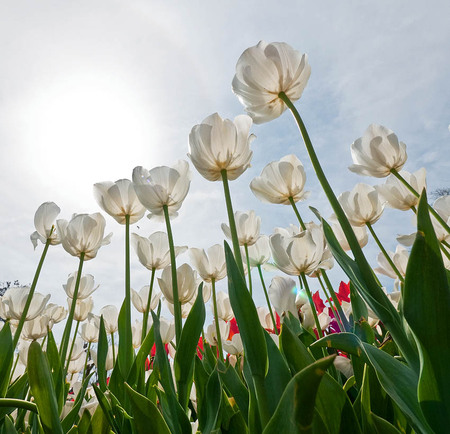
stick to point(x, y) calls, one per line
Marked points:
point(275, 329)
point(216, 319)
point(68, 327)
point(30, 295)
point(232, 223)
point(415, 193)
point(311, 303)
point(294, 206)
point(332, 305)
point(386, 255)
point(249, 269)
point(147, 309)
point(18, 403)
point(176, 299)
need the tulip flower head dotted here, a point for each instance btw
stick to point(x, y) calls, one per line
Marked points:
point(14, 300)
point(282, 295)
point(210, 266)
point(44, 222)
point(187, 283)
point(442, 207)
point(247, 226)
point(399, 258)
point(259, 253)
point(280, 181)
point(221, 144)
point(162, 186)
point(85, 289)
point(140, 299)
point(83, 234)
point(265, 70)
point(377, 152)
point(359, 231)
point(119, 199)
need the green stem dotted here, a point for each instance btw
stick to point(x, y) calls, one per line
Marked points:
point(342, 316)
point(249, 269)
point(30, 294)
point(113, 348)
point(385, 253)
point(294, 206)
point(311, 303)
point(18, 403)
point(275, 330)
point(216, 319)
point(86, 362)
point(13, 369)
point(127, 272)
point(232, 223)
point(176, 299)
point(333, 307)
point(415, 193)
point(68, 327)
point(147, 309)
point(71, 347)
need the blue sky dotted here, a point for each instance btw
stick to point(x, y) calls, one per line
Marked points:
point(89, 90)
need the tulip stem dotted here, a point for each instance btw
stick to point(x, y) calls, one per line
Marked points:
point(415, 193)
point(147, 308)
point(216, 319)
point(342, 316)
point(113, 348)
point(18, 403)
point(385, 253)
point(68, 327)
point(86, 362)
point(294, 206)
point(176, 299)
point(311, 303)
point(333, 307)
point(390, 318)
point(275, 329)
point(30, 294)
point(249, 270)
point(71, 347)
point(232, 223)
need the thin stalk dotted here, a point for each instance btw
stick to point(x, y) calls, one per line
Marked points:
point(113, 348)
point(14, 368)
point(147, 309)
point(385, 253)
point(333, 307)
point(176, 300)
point(18, 403)
point(216, 319)
point(336, 301)
point(267, 300)
point(68, 327)
point(294, 207)
point(30, 294)
point(232, 223)
point(86, 361)
point(415, 193)
point(249, 269)
point(71, 347)
point(311, 303)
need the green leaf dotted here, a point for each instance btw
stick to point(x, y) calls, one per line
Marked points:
point(99, 423)
point(106, 408)
point(147, 418)
point(125, 354)
point(426, 306)
point(42, 388)
point(201, 379)
point(6, 357)
point(186, 350)
point(136, 378)
point(213, 402)
point(295, 411)
point(255, 348)
point(102, 352)
point(56, 370)
point(8, 426)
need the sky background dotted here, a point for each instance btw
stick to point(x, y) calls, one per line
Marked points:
point(91, 89)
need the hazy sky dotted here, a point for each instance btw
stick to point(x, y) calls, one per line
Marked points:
point(91, 89)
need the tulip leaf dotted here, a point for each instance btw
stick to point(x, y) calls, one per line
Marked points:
point(136, 378)
point(56, 370)
point(244, 309)
point(295, 411)
point(426, 306)
point(42, 388)
point(396, 378)
point(125, 353)
point(106, 407)
point(213, 401)
point(146, 416)
point(186, 350)
point(6, 357)
point(102, 352)
point(98, 422)
point(361, 275)
point(201, 379)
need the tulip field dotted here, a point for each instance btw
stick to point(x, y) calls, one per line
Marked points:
point(355, 357)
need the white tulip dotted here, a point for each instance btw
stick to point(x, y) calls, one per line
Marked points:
point(140, 299)
point(44, 222)
point(210, 266)
point(282, 294)
point(187, 283)
point(85, 288)
point(247, 226)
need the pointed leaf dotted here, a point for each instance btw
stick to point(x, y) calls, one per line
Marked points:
point(213, 401)
point(6, 357)
point(125, 354)
point(102, 352)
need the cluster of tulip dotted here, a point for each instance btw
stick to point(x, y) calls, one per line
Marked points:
point(367, 362)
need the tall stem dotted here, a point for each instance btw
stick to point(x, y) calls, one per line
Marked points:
point(216, 318)
point(71, 346)
point(294, 206)
point(336, 301)
point(415, 193)
point(147, 309)
point(311, 303)
point(176, 299)
point(30, 294)
point(68, 327)
point(249, 269)
point(113, 348)
point(385, 253)
point(275, 329)
point(86, 362)
point(232, 223)
point(332, 305)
